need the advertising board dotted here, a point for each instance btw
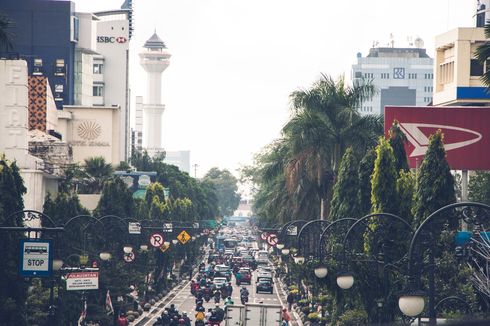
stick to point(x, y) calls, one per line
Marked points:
point(466, 133)
point(82, 281)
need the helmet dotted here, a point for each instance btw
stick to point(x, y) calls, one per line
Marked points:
point(217, 305)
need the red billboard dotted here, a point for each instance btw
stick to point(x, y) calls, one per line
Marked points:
point(466, 133)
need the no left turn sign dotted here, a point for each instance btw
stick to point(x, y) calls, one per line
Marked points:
point(156, 240)
point(264, 236)
point(128, 258)
point(272, 239)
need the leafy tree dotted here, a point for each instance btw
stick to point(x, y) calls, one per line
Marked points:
point(405, 187)
point(383, 181)
point(226, 190)
point(5, 35)
point(397, 142)
point(116, 199)
point(325, 122)
point(366, 167)
point(13, 289)
point(345, 201)
point(98, 172)
point(435, 183)
point(479, 187)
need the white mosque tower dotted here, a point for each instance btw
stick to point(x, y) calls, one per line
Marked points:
point(154, 59)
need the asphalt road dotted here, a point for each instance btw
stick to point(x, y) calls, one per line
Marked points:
point(185, 301)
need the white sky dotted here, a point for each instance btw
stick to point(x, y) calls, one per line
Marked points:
point(235, 62)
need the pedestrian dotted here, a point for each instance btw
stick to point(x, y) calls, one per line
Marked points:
point(290, 300)
point(286, 317)
point(122, 320)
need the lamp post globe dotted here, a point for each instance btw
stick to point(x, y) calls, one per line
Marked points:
point(144, 247)
point(300, 260)
point(105, 256)
point(280, 246)
point(321, 271)
point(345, 280)
point(174, 241)
point(128, 249)
point(285, 251)
point(411, 305)
point(57, 264)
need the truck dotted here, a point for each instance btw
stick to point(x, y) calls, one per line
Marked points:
point(253, 314)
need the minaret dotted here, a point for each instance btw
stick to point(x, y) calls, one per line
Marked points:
point(154, 59)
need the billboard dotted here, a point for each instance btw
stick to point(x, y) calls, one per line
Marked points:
point(466, 133)
point(137, 182)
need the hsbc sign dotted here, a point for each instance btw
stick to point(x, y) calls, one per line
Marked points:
point(466, 133)
point(111, 39)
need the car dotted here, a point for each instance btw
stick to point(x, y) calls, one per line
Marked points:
point(266, 269)
point(263, 275)
point(264, 285)
point(218, 282)
point(222, 271)
point(246, 275)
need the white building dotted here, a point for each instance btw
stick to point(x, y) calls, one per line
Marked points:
point(181, 159)
point(403, 76)
point(154, 59)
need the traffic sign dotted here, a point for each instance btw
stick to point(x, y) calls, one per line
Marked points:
point(272, 239)
point(183, 237)
point(128, 258)
point(36, 257)
point(164, 247)
point(264, 235)
point(82, 281)
point(292, 230)
point(134, 228)
point(156, 240)
point(167, 227)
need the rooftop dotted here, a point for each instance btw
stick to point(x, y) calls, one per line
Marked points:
point(154, 42)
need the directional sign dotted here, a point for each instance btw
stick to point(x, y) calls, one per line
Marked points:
point(82, 281)
point(168, 227)
point(272, 239)
point(195, 225)
point(129, 258)
point(134, 228)
point(164, 247)
point(292, 230)
point(36, 257)
point(264, 235)
point(183, 237)
point(156, 240)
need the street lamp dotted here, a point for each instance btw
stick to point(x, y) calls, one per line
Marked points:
point(280, 246)
point(321, 271)
point(285, 251)
point(300, 260)
point(105, 256)
point(175, 241)
point(57, 264)
point(128, 249)
point(345, 280)
point(412, 304)
point(144, 247)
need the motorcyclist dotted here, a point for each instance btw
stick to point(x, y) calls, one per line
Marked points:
point(187, 320)
point(229, 289)
point(244, 295)
point(216, 295)
point(229, 301)
point(238, 277)
point(220, 313)
point(165, 318)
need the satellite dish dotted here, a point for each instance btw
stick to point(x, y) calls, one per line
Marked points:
point(419, 43)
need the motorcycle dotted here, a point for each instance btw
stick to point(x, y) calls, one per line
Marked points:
point(217, 297)
point(199, 323)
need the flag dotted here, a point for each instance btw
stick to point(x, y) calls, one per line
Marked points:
point(83, 314)
point(108, 304)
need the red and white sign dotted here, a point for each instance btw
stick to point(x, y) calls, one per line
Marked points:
point(156, 240)
point(264, 235)
point(466, 133)
point(82, 281)
point(129, 258)
point(272, 239)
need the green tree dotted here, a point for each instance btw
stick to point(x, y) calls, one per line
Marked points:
point(366, 167)
point(13, 289)
point(98, 172)
point(482, 54)
point(397, 142)
point(384, 197)
point(226, 190)
point(5, 35)
point(405, 187)
point(345, 200)
point(435, 183)
point(479, 187)
point(324, 122)
point(116, 199)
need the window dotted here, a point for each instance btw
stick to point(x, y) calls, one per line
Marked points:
point(412, 76)
point(476, 68)
point(98, 68)
point(369, 75)
point(358, 74)
point(59, 68)
point(37, 69)
point(98, 90)
point(385, 75)
point(428, 76)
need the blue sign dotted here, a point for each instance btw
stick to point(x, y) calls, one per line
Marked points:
point(35, 258)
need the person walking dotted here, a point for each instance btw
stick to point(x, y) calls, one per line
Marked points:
point(290, 299)
point(122, 320)
point(286, 317)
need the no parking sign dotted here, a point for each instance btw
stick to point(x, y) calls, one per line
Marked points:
point(272, 240)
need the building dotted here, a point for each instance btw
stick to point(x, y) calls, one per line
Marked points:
point(457, 74)
point(154, 59)
point(403, 76)
point(181, 159)
point(137, 132)
point(45, 34)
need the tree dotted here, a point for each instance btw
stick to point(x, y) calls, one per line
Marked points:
point(226, 190)
point(435, 183)
point(13, 289)
point(366, 167)
point(98, 172)
point(116, 199)
point(383, 181)
point(5, 34)
point(479, 187)
point(397, 143)
point(482, 54)
point(345, 200)
point(325, 122)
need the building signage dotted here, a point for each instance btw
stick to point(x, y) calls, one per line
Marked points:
point(111, 39)
point(466, 133)
point(134, 228)
point(36, 258)
point(82, 281)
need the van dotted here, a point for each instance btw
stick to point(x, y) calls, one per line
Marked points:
point(262, 257)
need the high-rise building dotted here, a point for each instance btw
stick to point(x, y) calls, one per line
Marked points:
point(402, 76)
point(154, 59)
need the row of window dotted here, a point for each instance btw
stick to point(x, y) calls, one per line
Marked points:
point(398, 73)
point(366, 109)
point(59, 68)
point(428, 89)
point(428, 99)
point(385, 75)
point(429, 76)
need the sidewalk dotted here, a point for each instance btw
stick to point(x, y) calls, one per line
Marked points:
point(282, 294)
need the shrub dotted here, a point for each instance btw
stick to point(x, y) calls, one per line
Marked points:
point(354, 317)
point(313, 316)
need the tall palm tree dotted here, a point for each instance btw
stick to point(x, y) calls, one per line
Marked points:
point(5, 34)
point(483, 54)
point(324, 124)
point(98, 172)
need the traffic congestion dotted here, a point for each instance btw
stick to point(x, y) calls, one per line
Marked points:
point(235, 272)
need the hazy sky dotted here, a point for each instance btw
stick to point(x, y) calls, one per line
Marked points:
point(235, 62)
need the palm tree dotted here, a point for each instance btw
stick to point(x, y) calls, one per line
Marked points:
point(483, 54)
point(324, 124)
point(5, 34)
point(98, 172)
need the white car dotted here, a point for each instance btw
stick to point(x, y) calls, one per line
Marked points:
point(219, 282)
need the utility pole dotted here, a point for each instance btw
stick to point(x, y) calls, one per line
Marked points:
point(195, 170)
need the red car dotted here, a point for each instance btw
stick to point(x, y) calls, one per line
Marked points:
point(246, 276)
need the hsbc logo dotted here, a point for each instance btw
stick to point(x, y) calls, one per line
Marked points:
point(420, 141)
point(111, 39)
